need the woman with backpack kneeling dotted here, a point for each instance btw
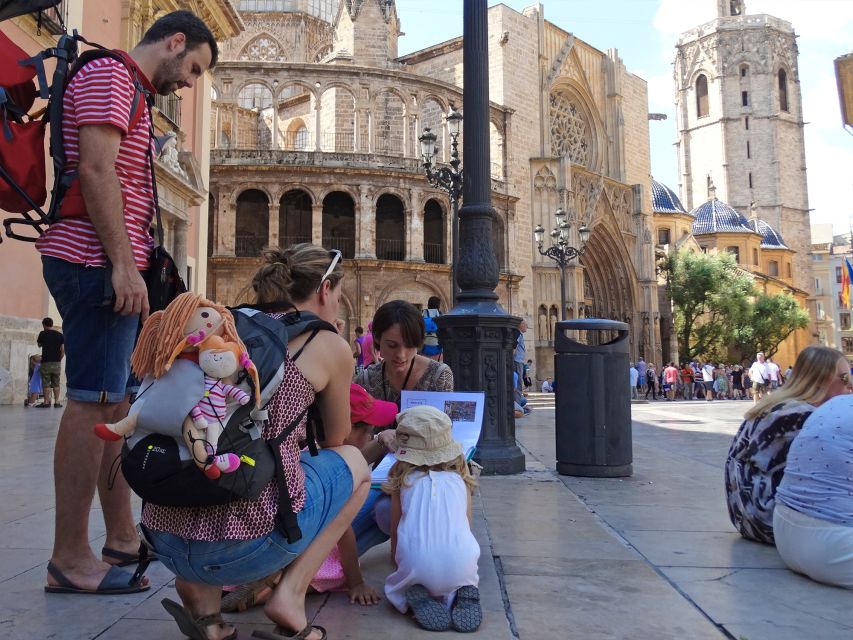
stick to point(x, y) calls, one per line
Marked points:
point(241, 542)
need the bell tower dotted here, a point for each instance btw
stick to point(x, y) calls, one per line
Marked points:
point(739, 117)
point(367, 31)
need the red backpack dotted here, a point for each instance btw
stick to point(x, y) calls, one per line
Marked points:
point(22, 149)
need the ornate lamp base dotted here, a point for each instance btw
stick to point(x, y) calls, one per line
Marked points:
point(478, 344)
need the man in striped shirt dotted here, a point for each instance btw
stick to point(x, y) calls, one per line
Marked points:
point(92, 260)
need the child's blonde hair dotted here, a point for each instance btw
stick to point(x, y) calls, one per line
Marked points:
point(399, 474)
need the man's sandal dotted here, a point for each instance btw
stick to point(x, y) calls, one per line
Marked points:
point(122, 558)
point(280, 633)
point(194, 628)
point(116, 581)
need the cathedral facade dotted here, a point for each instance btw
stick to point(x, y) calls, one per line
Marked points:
point(315, 126)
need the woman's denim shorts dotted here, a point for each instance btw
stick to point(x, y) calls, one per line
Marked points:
point(328, 485)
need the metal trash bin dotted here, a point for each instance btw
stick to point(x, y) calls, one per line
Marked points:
point(593, 403)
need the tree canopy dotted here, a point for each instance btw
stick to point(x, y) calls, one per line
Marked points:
point(711, 298)
point(772, 318)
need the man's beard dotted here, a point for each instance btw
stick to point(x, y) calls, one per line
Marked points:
point(168, 75)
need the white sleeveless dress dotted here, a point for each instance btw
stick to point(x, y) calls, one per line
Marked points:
point(435, 546)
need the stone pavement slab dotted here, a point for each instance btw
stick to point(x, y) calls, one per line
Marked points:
point(651, 556)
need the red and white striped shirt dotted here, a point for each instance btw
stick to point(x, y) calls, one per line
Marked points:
point(102, 93)
point(212, 406)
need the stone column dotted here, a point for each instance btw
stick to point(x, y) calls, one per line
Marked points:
point(317, 224)
point(415, 233)
point(365, 222)
point(227, 228)
point(272, 228)
point(318, 113)
point(179, 247)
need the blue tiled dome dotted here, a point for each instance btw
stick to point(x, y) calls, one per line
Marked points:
point(770, 238)
point(664, 199)
point(715, 217)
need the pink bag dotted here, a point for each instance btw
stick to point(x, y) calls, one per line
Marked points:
point(330, 576)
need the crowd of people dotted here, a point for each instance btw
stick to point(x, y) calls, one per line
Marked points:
point(703, 380)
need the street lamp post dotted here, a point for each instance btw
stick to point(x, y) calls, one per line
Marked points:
point(477, 335)
point(560, 251)
point(447, 178)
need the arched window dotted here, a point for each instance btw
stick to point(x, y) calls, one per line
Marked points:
point(433, 232)
point(294, 218)
point(783, 90)
point(253, 219)
point(773, 268)
point(735, 251)
point(339, 223)
point(499, 243)
point(701, 96)
point(390, 228)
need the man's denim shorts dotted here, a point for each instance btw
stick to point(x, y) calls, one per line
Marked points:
point(328, 485)
point(98, 341)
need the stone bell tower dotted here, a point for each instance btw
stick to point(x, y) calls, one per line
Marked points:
point(739, 115)
point(367, 31)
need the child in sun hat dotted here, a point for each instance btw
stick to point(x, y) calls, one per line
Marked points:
point(340, 571)
point(431, 540)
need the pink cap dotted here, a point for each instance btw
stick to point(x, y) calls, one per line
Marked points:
point(365, 408)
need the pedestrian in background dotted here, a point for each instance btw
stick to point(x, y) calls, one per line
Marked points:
point(52, 345)
point(634, 376)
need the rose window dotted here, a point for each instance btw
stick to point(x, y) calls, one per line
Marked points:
point(569, 130)
point(262, 49)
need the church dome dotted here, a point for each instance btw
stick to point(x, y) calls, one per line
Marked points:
point(716, 216)
point(770, 238)
point(664, 199)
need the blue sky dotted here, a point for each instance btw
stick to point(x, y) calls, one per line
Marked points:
point(645, 32)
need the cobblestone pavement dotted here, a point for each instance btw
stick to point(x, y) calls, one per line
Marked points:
point(651, 556)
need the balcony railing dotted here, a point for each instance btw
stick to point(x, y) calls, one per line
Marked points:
point(287, 241)
point(345, 245)
point(433, 253)
point(388, 249)
point(249, 246)
point(170, 106)
point(296, 140)
point(337, 141)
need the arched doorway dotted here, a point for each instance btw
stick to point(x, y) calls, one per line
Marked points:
point(253, 219)
point(390, 228)
point(294, 218)
point(339, 223)
point(434, 232)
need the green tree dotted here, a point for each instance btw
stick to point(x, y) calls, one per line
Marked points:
point(711, 298)
point(771, 319)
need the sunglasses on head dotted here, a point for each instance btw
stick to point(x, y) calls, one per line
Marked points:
point(336, 258)
point(844, 377)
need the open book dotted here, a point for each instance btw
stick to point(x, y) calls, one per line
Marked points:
point(465, 411)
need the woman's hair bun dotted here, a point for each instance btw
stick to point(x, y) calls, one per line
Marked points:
point(276, 256)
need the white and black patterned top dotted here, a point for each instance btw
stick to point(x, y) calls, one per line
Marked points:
point(755, 465)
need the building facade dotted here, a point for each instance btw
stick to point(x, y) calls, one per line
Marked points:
point(315, 125)
point(833, 314)
point(182, 171)
point(740, 123)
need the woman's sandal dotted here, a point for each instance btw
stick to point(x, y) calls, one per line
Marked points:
point(466, 614)
point(279, 633)
point(249, 595)
point(194, 628)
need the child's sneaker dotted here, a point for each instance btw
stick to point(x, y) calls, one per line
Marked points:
point(430, 614)
point(466, 614)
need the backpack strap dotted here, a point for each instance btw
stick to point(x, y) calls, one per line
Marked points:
point(286, 519)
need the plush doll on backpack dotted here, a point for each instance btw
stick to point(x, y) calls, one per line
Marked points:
point(184, 354)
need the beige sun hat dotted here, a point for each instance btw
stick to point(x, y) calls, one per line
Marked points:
point(424, 437)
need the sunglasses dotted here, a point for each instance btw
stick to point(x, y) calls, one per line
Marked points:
point(336, 258)
point(845, 378)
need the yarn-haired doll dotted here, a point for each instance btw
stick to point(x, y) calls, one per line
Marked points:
point(174, 347)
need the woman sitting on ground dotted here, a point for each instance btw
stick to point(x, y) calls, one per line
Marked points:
point(813, 520)
point(240, 542)
point(398, 331)
point(757, 456)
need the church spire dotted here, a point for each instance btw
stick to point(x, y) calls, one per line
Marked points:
point(730, 8)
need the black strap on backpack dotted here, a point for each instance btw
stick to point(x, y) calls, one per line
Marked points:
point(68, 63)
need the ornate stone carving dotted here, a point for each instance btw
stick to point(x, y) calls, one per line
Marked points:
point(545, 180)
point(569, 129)
point(264, 48)
point(587, 191)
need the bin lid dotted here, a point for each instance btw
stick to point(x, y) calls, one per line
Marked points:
point(592, 324)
